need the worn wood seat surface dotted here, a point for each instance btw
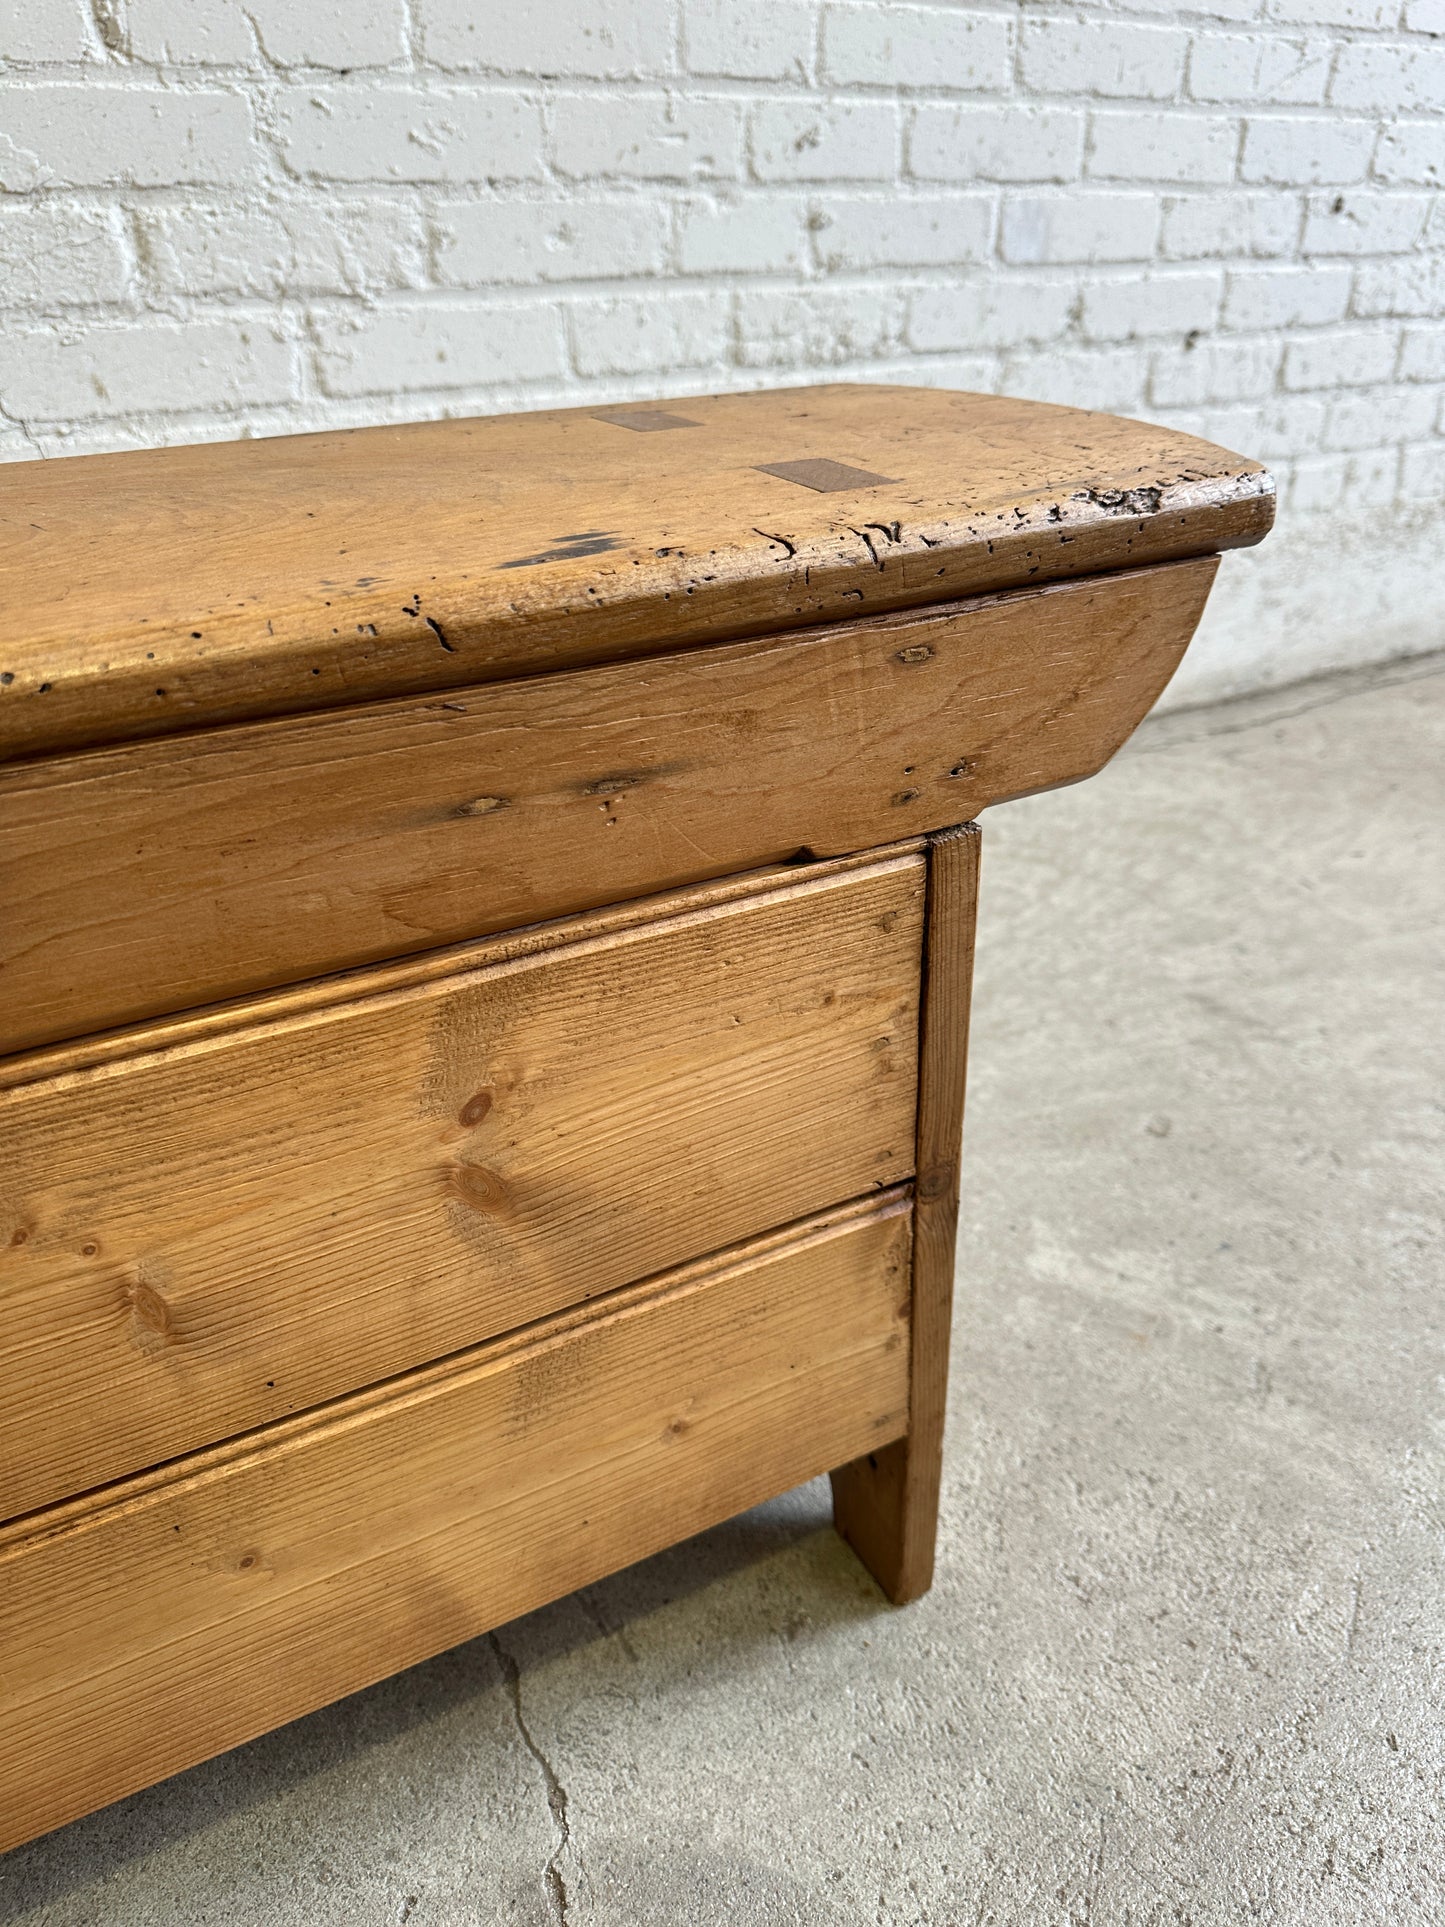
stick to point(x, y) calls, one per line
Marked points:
point(485, 922)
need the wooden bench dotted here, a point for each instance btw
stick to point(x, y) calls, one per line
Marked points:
point(485, 924)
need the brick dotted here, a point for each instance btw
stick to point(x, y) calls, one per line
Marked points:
point(1212, 372)
point(1119, 60)
point(750, 39)
point(1366, 421)
point(389, 131)
point(822, 327)
point(1306, 152)
point(1278, 425)
point(54, 254)
point(188, 35)
point(632, 337)
point(439, 347)
point(1323, 482)
point(909, 46)
point(1352, 360)
point(1424, 16)
point(1422, 470)
point(853, 232)
point(596, 39)
point(1412, 152)
point(1335, 13)
point(363, 33)
point(1013, 143)
point(1107, 378)
point(1152, 304)
point(1422, 354)
point(1388, 80)
point(296, 248)
point(1200, 226)
point(1363, 222)
point(1317, 484)
point(754, 235)
point(1081, 226)
point(836, 140)
point(990, 313)
point(555, 240)
point(152, 366)
point(1414, 286)
point(979, 374)
point(1172, 146)
point(655, 137)
point(1285, 297)
point(1236, 11)
point(101, 135)
point(1250, 67)
point(1372, 478)
point(46, 31)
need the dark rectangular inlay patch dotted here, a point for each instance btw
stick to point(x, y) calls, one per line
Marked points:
point(647, 421)
point(825, 476)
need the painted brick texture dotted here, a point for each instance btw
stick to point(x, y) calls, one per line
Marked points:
point(222, 218)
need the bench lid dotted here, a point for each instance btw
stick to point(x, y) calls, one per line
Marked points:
point(170, 588)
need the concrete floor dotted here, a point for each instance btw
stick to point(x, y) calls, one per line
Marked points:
point(1185, 1658)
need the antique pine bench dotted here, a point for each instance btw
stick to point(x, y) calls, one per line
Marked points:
point(485, 922)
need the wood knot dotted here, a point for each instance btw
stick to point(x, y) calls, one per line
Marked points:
point(915, 652)
point(476, 1108)
point(152, 1322)
point(481, 1188)
point(937, 1182)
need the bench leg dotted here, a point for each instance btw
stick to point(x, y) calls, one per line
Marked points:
point(886, 1504)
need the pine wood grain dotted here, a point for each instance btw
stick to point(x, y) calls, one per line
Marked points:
point(148, 1627)
point(277, 1208)
point(886, 1503)
point(168, 588)
point(161, 875)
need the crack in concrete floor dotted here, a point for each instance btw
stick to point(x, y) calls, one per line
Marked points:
point(556, 1793)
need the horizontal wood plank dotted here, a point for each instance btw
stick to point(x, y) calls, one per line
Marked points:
point(163, 589)
point(166, 874)
point(152, 1626)
point(211, 1232)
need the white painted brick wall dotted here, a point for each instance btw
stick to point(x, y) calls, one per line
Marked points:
point(238, 217)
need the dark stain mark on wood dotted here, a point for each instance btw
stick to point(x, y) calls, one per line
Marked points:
point(826, 476)
point(567, 548)
point(644, 421)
